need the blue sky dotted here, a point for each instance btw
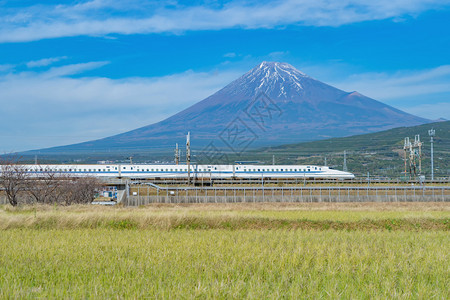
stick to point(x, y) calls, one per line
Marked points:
point(72, 71)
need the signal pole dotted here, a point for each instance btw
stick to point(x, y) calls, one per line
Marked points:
point(432, 133)
point(188, 156)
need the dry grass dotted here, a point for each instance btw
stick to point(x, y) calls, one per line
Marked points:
point(315, 206)
point(317, 216)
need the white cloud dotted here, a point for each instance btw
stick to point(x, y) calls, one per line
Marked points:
point(112, 17)
point(431, 111)
point(230, 55)
point(44, 62)
point(6, 67)
point(49, 109)
point(400, 84)
point(405, 89)
point(73, 69)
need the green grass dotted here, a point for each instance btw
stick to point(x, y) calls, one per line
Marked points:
point(224, 264)
point(226, 251)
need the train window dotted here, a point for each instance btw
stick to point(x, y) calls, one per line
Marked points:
point(259, 170)
point(70, 170)
point(131, 168)
point(123, 168)
point(147, 170)
point(281, 170)
point(115, 168)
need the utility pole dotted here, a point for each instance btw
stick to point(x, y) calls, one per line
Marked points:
point(432, 133)
point(406, 147)
point(273, 160)
point(188, 156)
point(325, 161)
point(345, 161)
point(177, 155)
point(418, 144)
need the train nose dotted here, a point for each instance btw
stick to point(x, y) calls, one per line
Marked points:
point(349, 175)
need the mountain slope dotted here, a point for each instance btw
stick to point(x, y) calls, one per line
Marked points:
point(272, 104)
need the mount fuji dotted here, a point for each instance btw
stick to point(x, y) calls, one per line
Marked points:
point(272, 104)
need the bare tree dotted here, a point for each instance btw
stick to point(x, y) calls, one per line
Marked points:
point(78, 190)
point(48, 186)
point(13, 177)
point(44, 188)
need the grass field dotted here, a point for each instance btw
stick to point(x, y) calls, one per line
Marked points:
point(315, 250)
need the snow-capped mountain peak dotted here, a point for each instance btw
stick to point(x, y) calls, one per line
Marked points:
point(273, 78)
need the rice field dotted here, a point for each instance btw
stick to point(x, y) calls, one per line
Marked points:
point(233, 252)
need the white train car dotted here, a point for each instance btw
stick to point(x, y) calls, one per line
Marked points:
point(196, 171)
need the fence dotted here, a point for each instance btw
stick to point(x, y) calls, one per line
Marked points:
point(142, 195)
point(295, 181)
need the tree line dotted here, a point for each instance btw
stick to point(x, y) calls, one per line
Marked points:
point(49, 187)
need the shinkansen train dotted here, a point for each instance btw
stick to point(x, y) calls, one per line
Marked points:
point(195, 171)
